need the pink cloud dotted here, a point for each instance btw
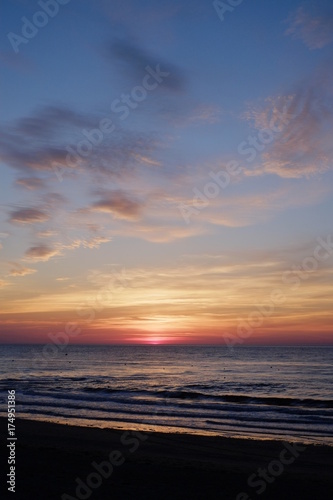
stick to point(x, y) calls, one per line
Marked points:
point(315, 31)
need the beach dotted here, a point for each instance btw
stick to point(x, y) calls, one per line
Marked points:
point(53, 460)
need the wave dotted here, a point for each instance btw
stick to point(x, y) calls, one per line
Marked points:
point(99, 391)
point(207, 411)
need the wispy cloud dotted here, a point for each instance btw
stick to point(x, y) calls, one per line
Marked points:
point(48, 233)
point(30, 183)
point(94, 242)
point(316, 31)
point(189, 113)
point(253, 208)
point(19, 270)
point(205, 114)
point(161, 232)
point(303, 146)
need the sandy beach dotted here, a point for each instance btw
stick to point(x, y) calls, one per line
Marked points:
point(65, 462)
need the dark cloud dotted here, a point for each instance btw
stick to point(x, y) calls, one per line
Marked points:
point(28, 155)
point(134, 60)
point(38, 144)
point(47, 119)
point(28, 216)
point(41, 253)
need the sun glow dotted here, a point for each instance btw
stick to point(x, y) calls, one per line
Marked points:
point(154, 340)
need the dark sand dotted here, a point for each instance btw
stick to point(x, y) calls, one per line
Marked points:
point(164, 466)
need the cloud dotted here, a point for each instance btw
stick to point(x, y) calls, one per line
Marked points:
point(315, 31)
point(120, 156)
point(19, 270)
point(94, 242)
point(302, 147)
point(165, 233)
point(28, 216)
point(159, 231)
point(44, 252)
point(37, 143)
point(29, 156)
point(174, 106)
point(30, 183)
point(3, 283)
point(53, 200)
point(205, 114)
point(243, 206)
point(48, 119)
point(189, 113)
point(120, 204)
point(133, 61)
point(46, 234)
point(46, 143)
point(41, 253)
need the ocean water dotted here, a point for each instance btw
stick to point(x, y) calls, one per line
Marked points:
point(253, 392)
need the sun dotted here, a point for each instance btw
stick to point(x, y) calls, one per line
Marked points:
point(154, 340)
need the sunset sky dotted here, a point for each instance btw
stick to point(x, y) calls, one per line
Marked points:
point(166, 171)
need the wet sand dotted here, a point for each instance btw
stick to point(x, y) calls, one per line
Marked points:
point(56, 461)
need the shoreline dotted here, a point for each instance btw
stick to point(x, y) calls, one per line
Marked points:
point(50, 458)
point(123, 425)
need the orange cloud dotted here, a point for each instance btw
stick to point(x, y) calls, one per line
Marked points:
point(19, 270)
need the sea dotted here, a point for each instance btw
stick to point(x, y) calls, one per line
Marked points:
point(250, 392)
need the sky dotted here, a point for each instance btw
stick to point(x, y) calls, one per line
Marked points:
point(166, 172)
